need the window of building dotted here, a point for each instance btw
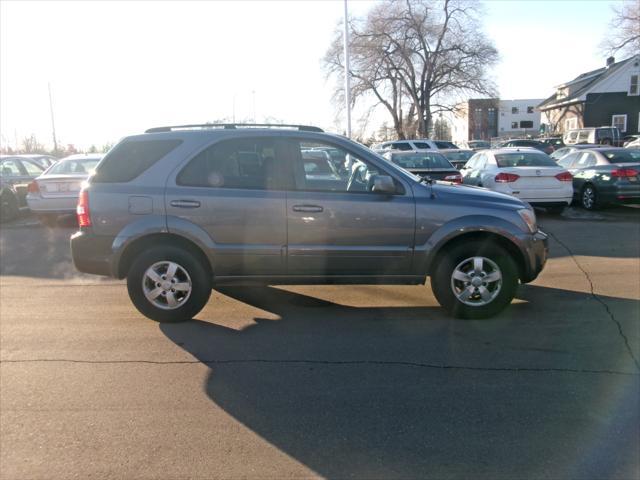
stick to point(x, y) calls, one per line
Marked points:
point(633, 85)
point(491, 116)
point(514, 124)
point(529, 109)
point(619, 121)
point(515, 110)
point(526, 124)
point(570, 123)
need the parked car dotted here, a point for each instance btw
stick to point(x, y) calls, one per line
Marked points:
point(15, 175)
point(426, 164)
point(633, 144)
point(543, 147)
point(44, 161)
point(175, 211)
point(418, 144)
point(525, 173)
point(55, 192)
point(478, 144)
point(605, 175)
point(562, 152)
point(630, 139)
point(597, 135)
point(458, 157)
point(555, 142)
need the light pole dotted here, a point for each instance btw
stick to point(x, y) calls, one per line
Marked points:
point(53, 125)
point(347, 83)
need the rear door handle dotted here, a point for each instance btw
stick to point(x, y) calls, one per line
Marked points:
point(308, 208)
point(185, 203)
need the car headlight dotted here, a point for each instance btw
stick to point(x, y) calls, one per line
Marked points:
point(529, 218)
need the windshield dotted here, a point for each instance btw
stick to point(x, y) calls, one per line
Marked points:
point(524, 159)
point(622, 156)
point(459, 156)
point(74, 166)
point(420, 160)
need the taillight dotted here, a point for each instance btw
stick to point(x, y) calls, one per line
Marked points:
point(506, 177)
point(624, 172)
point(455, 178)
point(565, 177)
point(82, 210)
point(33, 187)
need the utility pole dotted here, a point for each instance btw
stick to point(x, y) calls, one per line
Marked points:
point(53, 125)
point(347, 80)
point(253, 94)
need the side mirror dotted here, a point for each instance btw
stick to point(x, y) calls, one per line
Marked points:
point(383, 184)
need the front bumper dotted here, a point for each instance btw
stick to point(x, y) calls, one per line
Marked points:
point(92, 253)
point(537, 252)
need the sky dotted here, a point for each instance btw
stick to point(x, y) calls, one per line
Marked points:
point(117, 68)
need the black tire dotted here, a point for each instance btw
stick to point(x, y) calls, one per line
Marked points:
point(8, 207)
point(441, 279)
point(555, 210)
point(200, 284)
point(589, 197)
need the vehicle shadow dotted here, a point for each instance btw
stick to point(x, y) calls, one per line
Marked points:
point(406, 392)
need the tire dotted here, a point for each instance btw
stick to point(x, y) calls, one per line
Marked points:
point(555, 210)
point(48, 220)
point(150, 266)
point(589, 197)
point(8, 207)
point(458, 259)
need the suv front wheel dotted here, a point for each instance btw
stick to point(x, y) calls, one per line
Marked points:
point(168, 284)
point(475, 280)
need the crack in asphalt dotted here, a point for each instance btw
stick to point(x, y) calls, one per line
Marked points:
point(325, 362)
point(600, 301)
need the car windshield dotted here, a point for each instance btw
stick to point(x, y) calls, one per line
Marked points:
point(74, 166)
point(622, 156)
point(524, 159)
point(421, 160)
point(459, 156)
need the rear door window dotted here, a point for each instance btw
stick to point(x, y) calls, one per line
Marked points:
point(583, 136)
point(246, 163)
point(401, 146)
point(585, 160)
point(130, 158)
point(424, 146)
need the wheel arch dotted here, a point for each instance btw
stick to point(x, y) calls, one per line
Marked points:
point(145, 242)
point(492, 238)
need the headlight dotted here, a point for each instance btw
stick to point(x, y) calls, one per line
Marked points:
point(529, 218)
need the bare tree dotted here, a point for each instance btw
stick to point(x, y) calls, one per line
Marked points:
point(412, 56)
point(30, 144)
point(623, 34)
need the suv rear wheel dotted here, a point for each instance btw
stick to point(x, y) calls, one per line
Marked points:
point(168, 284)
point(475, 280)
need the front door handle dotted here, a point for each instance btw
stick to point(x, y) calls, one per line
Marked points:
point(185, 203)
point(308, 208)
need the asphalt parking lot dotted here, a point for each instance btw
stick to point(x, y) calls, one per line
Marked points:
point(336, 382)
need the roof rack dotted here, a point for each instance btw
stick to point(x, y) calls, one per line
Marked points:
point(232, 126)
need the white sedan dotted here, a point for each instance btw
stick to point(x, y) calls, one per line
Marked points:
point(55, 192)
point(525, 173)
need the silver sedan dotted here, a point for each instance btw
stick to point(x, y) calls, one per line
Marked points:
point(55, 192)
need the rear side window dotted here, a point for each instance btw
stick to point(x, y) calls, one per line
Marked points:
point(130, 158)
point(423, 146)
point(524, 159)
point(401, 146)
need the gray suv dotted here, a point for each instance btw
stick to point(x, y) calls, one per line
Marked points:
point(178, 210)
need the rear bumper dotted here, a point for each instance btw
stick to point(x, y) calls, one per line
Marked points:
point(92, 253)
point(537, 252)
point(52, 205)
point(621, 192)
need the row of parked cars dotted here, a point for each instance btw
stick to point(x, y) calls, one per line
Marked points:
point(48, 186)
